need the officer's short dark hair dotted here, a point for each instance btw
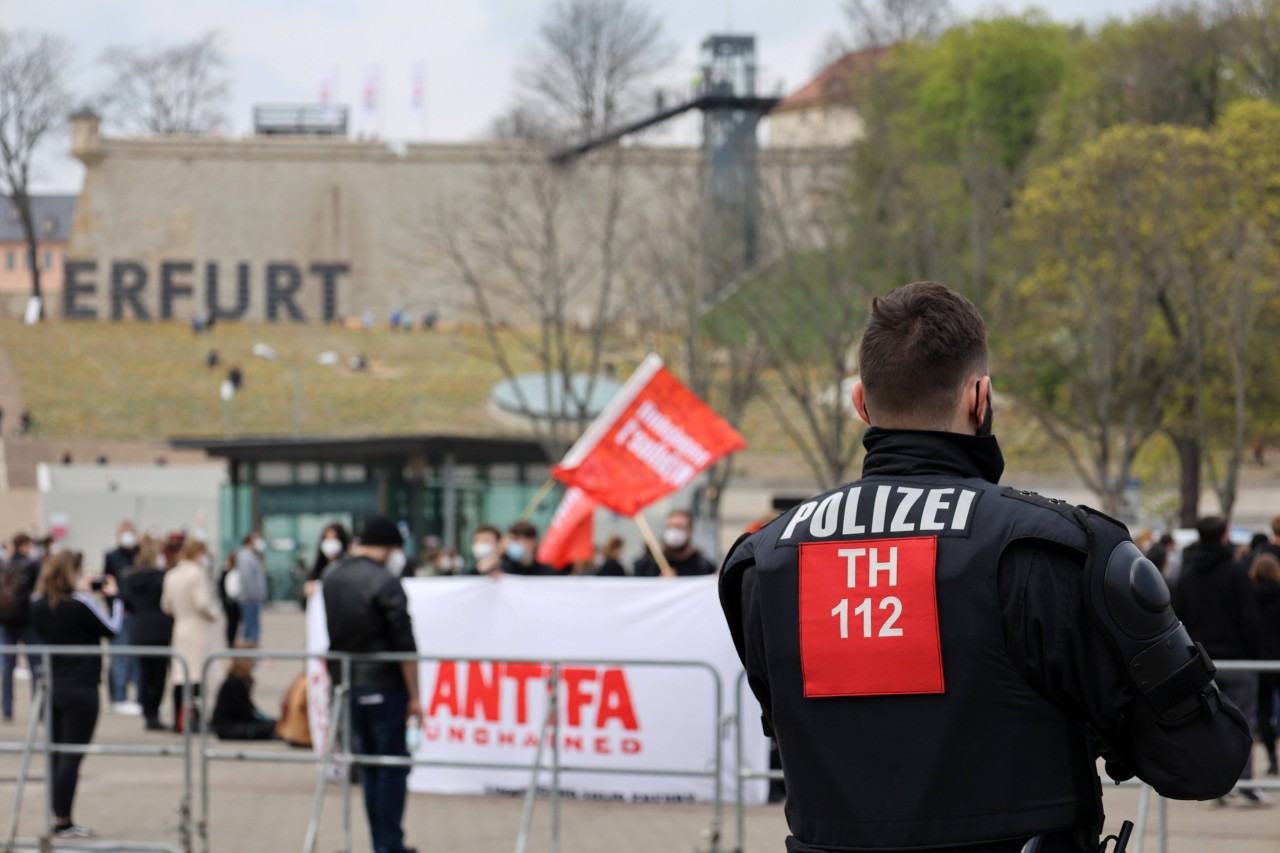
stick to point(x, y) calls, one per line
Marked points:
point(489, 529)
point(523, 529)
point(922, 341)
point(1211, 528)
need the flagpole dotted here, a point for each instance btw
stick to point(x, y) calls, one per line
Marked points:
point(538, 499)
point(664, 568)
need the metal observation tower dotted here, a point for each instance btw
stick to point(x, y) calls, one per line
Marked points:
point(725, 92)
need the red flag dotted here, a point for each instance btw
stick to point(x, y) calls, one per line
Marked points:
point(569, 536)
point(653, 438)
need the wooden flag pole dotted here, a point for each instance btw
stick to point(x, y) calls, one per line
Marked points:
point(538, 499)
point(655, 548)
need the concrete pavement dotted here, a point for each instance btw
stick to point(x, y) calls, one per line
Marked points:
point(261, 807)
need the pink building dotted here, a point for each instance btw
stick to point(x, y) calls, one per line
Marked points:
point(53, 230)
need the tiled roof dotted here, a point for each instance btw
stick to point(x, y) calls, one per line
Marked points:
point(834, 84)
point(52, 214)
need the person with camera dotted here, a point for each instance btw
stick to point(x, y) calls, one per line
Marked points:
point(65, 613)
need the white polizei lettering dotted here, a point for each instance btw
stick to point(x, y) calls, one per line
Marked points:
point(851, 556)
point(851, 525)
point(934, 504)
point(909, 498)
point(879, 509)
point(802, 513)
point(827, 517)
point(876, 566)
point(964, 503)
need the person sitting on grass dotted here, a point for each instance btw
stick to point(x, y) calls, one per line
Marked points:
point(234, 714)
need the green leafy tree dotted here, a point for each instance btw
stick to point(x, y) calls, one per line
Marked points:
point(1083, 338)
point(1150, 255)
point(950, 127)
point(1167, 66)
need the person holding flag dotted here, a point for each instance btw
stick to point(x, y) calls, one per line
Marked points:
point(682, 557)
point(652, 439)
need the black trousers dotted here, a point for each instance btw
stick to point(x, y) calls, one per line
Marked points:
point(232, 609)
point(247, 730)
point(152, 674)
point(75, 715)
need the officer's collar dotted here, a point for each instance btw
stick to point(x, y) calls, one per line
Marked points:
point(895, 452)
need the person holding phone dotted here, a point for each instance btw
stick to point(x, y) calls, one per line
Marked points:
point(64, 613)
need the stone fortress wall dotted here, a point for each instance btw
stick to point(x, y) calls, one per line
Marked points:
point(301, 229)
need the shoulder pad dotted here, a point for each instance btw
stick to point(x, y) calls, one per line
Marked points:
point(1067, 510)
point(1129, 600)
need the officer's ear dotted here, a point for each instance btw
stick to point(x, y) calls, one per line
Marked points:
point(860, 402)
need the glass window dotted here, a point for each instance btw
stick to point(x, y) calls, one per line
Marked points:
point(48, 259)
point(275, 474)
point(8, 260)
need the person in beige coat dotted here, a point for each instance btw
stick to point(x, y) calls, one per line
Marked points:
point(188, 598)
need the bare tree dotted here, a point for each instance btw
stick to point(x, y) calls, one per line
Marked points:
point(881, 23)
point(181, 88)
point(33, 103)
point(806, 308)
point(720, 358)
point(542, 256)
point(592, 63)
point(544, 252)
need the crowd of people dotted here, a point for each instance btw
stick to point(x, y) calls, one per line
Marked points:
point(515, 552)
point(151, 592)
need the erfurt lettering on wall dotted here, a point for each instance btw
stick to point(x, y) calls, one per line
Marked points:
point(277, 291)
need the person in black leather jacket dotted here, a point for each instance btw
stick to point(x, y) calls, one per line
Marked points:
point(367, 611)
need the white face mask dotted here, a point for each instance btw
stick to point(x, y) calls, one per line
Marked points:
point(259, 545)
point(128, 539)
point(331, 547)
point(675, 537)
point(396, 561)
point(36, 552)
point(480, 550)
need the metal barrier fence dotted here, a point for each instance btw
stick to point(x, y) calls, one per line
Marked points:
point(331, 756)
point(42, 711)
point(340, 727)
point(1144, 797)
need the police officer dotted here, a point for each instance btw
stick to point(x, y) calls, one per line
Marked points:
point(941, 659)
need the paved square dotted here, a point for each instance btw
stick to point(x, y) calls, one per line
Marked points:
point(261, 807)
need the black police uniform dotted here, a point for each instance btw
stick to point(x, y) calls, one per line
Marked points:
point(941, 660)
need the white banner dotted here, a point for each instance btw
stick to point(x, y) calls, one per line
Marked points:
point(620, 717)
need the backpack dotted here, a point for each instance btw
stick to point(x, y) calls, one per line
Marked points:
point(13, 595)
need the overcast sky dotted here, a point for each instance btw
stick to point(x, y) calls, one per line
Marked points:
point(281, 50)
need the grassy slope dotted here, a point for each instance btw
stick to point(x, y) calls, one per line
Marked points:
point(149, 381)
